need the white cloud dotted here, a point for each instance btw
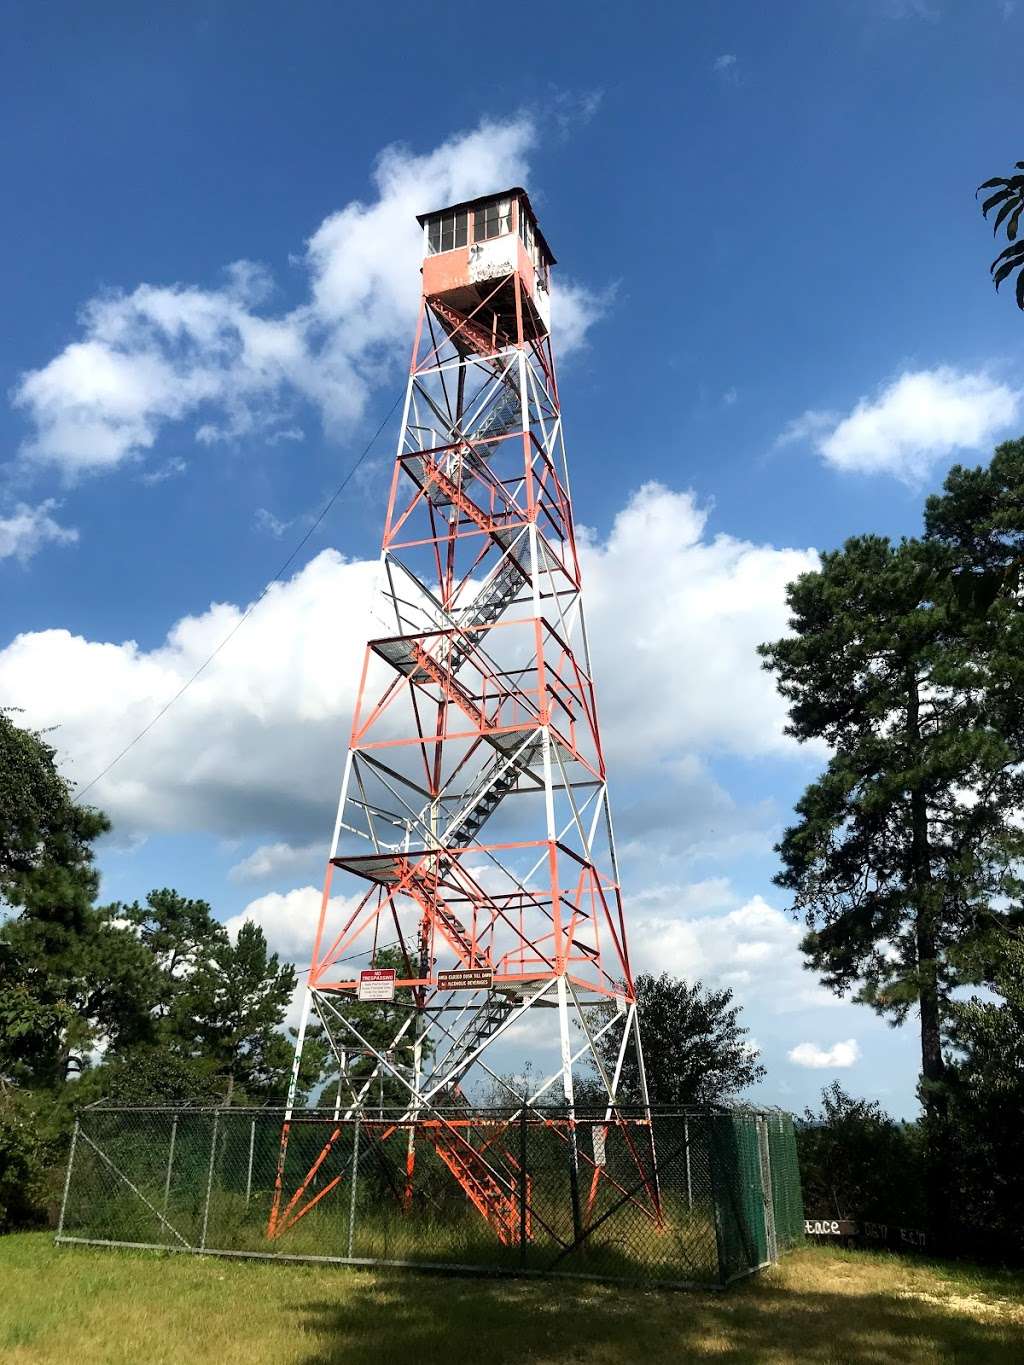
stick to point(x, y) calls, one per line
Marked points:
point(837, 1056)
point(811, 425)
point(27, 529)
point(255, 746)
point(273, 860)
point(170, 469)
point(572, 109)
point(912, 423)
point(535, 1032)
point(725, 62)
point(289, 921)
point(752, 948)
point(730, 396)
point(677, 814)
point(160, 354)
point(266, 521)
point(574, 310)
point(910, 9)
point(657, 591)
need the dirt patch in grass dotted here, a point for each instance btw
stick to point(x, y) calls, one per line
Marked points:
point(99, 1307)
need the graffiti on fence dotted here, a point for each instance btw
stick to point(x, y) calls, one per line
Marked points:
point(866, 1232)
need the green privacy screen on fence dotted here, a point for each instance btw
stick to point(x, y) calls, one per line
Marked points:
point(676, 1197)
point(787, 1194)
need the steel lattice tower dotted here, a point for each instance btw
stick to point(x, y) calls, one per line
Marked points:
point(474, 828)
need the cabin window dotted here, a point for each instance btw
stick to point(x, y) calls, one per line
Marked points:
point(526, 233)
point(491, 220)
point(525, 229)
point(447, 231)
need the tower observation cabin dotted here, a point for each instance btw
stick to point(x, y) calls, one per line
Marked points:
point(487, 260)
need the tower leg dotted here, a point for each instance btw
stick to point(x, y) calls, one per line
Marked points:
point(410, 1156)
point(568, 1091)
point(656, 1184)
point(293, 1086)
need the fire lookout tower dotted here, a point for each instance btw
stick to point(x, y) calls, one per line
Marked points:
point(473, 833)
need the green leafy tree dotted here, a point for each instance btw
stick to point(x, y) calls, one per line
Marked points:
point(72, 981)
point(987, 1095)
point(150, 1074)
point(858, 1162)
point(696, 1051)
point(978, 522)
point(908, 847)
point(181, 934)
point(218, 1008)
point(230, 1013)
point(45, 839)
point(29, 1156)
point(1007, 202)
point(71, 977)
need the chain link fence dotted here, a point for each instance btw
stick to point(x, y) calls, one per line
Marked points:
point(682, 1197)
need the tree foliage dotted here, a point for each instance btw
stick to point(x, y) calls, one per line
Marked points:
point(45, 839)
point(906, 660)
point(30, 1150)
point(150, 1002)
point(150, 1074)
point(857, 1162)
point(696, 1051)
point(987, 1096)
point(231, 1011)
point(72, 979)
point(1007, 202)
point(216, 1007)
point(180, 934)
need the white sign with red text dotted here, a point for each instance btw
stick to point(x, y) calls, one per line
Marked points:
point(377, 983)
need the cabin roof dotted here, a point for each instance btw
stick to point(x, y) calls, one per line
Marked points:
point(516, 191)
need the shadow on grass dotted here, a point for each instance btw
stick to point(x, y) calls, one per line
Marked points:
point(456, 1320)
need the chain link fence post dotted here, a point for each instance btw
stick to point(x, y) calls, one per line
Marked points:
point(355, 1180)
point(67, 1179)
point(522, 1186)
point(689, 1172)
point(574, 1180)
point(209, 1180)
point(170, 1160)
point(248, 1176)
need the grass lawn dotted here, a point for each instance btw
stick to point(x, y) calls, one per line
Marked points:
point(91, 1306)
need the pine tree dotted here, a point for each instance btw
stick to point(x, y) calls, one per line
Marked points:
point(905, 660)
point(231, 1010)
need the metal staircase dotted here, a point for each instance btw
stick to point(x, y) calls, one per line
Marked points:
point(503, 415)
point(494, 1193)
point(513, 757)
point(485, 1023)
point(463, 464)
point(515, 751)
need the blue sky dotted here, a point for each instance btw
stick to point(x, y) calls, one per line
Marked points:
point(777, 330)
